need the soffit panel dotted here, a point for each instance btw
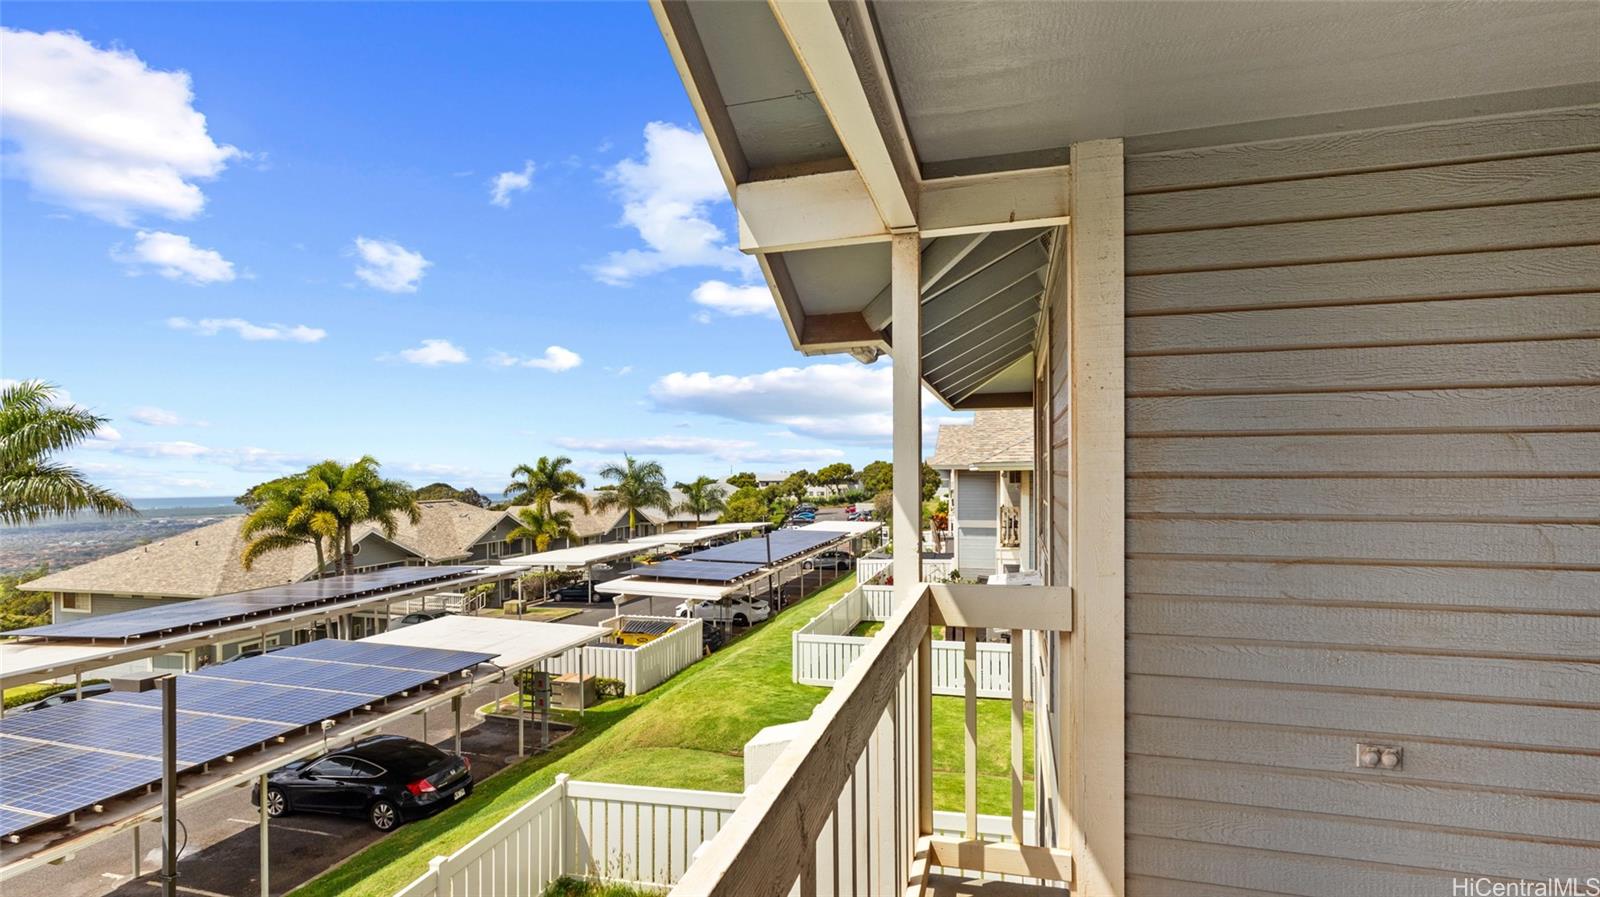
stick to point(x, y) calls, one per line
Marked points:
point(979, 79)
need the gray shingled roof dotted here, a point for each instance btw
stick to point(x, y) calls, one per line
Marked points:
point(997, 439)
point(205, 561)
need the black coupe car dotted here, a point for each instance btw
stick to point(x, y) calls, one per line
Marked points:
point(388, 779)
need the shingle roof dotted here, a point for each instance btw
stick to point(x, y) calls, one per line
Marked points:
point(999, 438)
point(593, 522)
point(205, 561)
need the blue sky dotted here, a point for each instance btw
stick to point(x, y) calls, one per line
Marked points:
point(456, 237)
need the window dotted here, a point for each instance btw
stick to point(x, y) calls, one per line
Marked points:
point(1014, 477)
point(336, 768)
point(75, 602)
point(494, 549)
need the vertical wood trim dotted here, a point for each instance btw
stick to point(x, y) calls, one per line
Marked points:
point(969, 688)
point(1096, 519)
point(1017, 689)
point(905, 286)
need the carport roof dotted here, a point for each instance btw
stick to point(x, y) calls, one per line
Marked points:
point(519, 643)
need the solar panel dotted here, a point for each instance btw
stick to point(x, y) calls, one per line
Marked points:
point(703, 571)
point(180, 615)
point(15, 820)
point(61, 759)
point(55, 779)
point(285, 704)
point(136, 729)
point(784, 544)
point(399, 656)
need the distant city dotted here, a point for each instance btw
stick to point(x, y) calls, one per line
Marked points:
point(65, 542)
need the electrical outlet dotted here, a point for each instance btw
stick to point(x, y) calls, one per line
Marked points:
point(1379, 756)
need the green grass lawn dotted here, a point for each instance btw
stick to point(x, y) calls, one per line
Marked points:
point(688, 733)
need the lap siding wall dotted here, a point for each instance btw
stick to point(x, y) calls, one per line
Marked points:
point(1363, 454)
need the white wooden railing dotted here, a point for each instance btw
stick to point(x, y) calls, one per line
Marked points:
point(933, 569)
point(823, 649)
point(641, 668)
point(628, 833)
point(622, 833)
point(847, 807)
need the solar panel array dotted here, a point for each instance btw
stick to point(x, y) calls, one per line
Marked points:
point(784, 544)
point(702, 571)
point(66, 758)
point(180, 615)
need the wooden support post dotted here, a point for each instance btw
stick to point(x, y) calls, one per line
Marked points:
point(1017, 687)
point(1096, 519)
point(905, 261)
point(969, 690)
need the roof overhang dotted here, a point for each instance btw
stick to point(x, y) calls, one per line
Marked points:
point(838, 125)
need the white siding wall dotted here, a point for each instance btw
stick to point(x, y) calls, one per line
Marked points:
point(1364, 506)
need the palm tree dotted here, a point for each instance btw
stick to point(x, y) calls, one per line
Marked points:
point(32, 428)
point(362, 495)
point(635, 485)
point(542, 528)
point(292, 511)
point(703, 496)
point(546, 481)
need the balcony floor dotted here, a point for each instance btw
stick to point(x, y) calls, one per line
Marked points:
point(940, 885)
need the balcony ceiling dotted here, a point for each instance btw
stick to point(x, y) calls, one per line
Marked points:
point(983, 79)
point(839, 123)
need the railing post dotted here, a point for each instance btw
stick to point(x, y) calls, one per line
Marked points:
point(564, 823)
point(436, 869)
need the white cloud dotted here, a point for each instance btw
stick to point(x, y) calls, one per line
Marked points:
point(736, 301)
point(98, 131)
point(175, 257)
point(667, 198)
point(434, 352)
point(555, 359)
point(151, 416)
point(508, 182)
point(730, 450)
point(388, 266)
point(299, 333)
point(845, 402)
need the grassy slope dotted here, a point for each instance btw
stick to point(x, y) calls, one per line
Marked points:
point(689, 733)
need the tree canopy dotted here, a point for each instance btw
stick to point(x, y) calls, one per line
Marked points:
point(34, 428)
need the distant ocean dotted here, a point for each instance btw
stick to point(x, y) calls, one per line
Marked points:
point(192, 501)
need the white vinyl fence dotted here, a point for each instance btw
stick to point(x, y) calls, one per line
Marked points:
point(822, 650)
point(933, 569)
point(641, 668)
point(629, 833)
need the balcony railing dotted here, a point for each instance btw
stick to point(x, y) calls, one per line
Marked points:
point(847, 808)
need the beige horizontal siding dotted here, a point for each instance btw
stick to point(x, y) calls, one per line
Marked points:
point(1364, 506)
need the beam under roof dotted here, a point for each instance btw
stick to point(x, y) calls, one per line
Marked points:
point(838, 49)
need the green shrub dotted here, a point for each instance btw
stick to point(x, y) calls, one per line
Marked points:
point(609, 688)
point(27, 694)
point(568, 886)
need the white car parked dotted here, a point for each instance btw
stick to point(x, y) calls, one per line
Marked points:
point(734, 609)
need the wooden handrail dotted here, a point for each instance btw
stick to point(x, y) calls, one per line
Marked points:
point(1001, 607)
point(770, 842)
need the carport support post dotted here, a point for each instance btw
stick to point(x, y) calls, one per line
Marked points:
point(521, 680)
point(169, 786)
point(77, 685)
point(455, 708)
point(265, 891)
point(138, 864)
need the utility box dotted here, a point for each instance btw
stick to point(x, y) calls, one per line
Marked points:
point(512, 607)
point(571, 694)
